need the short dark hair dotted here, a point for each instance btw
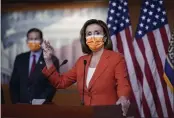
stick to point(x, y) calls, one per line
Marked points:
point(107, 43)
point(35, 30)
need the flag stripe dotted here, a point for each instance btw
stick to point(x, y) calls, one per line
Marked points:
point(149, 76)
point(128, 49)
point(156, 69)
point(145, 107)
point(157, 48)
point(164, 39)
point(167, 32)
point(145, 111)
point(119, 43)
point(114, 43)
point(118, 22)
point(150, 101)
point(137, 71)
point(138, 74)
point(148, 107)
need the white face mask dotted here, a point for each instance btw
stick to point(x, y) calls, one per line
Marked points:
point(94, 36)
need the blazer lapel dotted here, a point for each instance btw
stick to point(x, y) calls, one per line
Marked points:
point(102, 65)
point(26, 65)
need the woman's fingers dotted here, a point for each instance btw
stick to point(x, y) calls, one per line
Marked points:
point(46, 46)
point(43, 45)
point(47, 50)
point(125, 106)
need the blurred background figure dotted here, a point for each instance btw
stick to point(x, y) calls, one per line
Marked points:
point(28, 84)
point(2, 96)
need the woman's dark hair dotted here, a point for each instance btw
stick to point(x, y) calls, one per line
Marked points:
point(107, 43)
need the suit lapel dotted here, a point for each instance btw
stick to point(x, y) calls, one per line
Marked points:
point(38, 69)
point(26, 65)
point(102, 65)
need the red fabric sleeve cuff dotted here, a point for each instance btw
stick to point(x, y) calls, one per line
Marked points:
point(48, 72)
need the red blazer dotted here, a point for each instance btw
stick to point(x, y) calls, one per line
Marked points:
point(107, 84)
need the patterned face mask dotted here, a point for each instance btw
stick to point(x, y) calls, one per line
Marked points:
point(95, 42)
point(34, 45)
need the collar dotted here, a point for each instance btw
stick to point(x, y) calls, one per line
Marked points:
point(38, 53)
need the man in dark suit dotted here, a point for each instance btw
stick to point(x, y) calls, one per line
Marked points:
point(28, 84)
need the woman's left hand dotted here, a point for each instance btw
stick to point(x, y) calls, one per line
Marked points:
point(125, 103)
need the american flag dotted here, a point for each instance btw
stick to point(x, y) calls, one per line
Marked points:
point(119, 24)
point(151, 45)
point(145, 55)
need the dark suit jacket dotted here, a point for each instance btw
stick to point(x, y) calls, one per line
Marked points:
point(2, 96)
point(24, 88)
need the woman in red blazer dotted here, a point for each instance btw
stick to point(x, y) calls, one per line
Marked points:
point(106, 74)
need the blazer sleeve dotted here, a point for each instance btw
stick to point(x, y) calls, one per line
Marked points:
point(121, 75)
point(61, 81)
point(14, 84)
point(56, 63)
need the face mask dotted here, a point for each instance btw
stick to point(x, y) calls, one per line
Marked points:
point(34, 45)
point(95, 42)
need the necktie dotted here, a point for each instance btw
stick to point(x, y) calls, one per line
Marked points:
point(33, 64)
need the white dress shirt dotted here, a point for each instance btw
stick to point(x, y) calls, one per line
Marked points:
point(89, 75)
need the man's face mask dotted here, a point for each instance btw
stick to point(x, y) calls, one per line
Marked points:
point(95, 42)
point(34, 45)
